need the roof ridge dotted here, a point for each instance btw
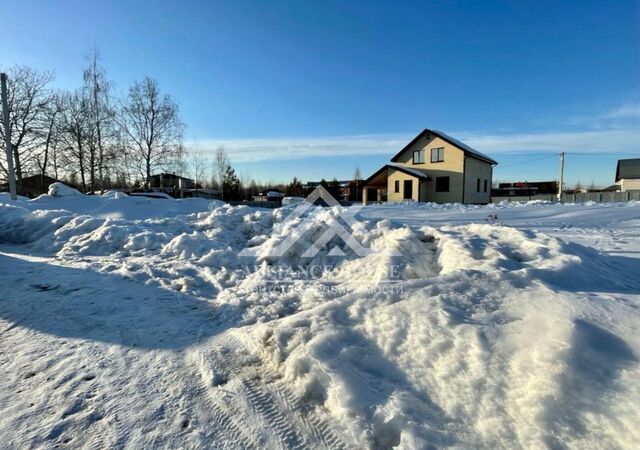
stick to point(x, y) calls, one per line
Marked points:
point(451, 140)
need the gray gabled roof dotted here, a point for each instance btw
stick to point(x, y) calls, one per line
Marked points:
point(456, 143)
point(628, 168)
point(408, 170)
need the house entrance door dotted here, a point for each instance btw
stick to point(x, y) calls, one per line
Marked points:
point(408, 190)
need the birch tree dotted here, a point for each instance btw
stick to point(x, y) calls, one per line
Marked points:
point(77, 132)
point(53, 129)
point(220, 164)
point(152, 126)
point(100, 115)
point(198, 163)
point(27, 99)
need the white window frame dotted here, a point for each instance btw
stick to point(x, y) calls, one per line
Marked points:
point(420, 156)
point(439, 152)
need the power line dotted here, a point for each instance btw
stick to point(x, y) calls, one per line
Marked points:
point(553, 155)
point(526, 162)
point(602, 155)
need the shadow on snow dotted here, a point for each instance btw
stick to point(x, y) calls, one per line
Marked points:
point(84, 304)
point(594, 361)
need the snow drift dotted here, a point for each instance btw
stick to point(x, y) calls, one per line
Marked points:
point(484, 336)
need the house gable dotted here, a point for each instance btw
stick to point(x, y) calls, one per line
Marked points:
point(453, 156)
point(427, 137)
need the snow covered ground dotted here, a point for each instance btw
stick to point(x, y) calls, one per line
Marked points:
point(133, 322)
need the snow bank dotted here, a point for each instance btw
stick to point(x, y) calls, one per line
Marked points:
point(18, 225)
point(62, 190)
point(292, 200)
point(482, 335)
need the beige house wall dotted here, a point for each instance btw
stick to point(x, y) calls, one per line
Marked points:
point(453, 156)
point(474, 169)
point(629, 184)
point(455, 187)
point(396, 175)
point(452, 167)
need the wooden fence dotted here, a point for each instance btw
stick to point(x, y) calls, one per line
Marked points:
point(598, 197)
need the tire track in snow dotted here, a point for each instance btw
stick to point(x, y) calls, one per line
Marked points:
point(232, 433)
point(281, 412)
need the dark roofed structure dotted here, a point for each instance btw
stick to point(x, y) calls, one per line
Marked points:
point(628, 169)
point(34, 185)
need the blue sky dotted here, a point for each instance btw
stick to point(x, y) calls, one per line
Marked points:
point(315, 88)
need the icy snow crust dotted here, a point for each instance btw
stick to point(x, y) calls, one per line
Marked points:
point(491, 336)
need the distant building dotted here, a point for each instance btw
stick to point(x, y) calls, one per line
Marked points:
point(34, 185)
point(628, 174)
point(342, 190)
point(433, 167)
point(179, 187)
point(272, 195)
point(201, 193)
point(525, 188)
point(164, 181)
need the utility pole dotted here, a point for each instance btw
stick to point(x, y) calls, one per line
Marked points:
point(7, 138)
point(560, 185)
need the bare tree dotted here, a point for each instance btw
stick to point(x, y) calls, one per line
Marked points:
point(101, 115)
point(221, 162)
point(245, 181)
point(152, 125)
point(52, 125)
point(356, 194)
point(77, 132)
point(27, 99)
point(198, 163)
point(179, 164)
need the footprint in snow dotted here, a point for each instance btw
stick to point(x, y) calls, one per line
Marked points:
point(44, 287)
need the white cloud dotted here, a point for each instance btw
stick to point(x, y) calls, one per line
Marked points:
point(264, 149)
point(618, 117)
point(605, 141)
point(631, 110)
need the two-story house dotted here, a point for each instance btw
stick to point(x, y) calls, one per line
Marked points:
point(628, 174)
point(433, 167)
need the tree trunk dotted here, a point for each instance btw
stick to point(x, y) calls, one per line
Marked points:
point(100, 160)
point(17, 168)
point(148, 183)
point(45, 160)
point(81, 160)
point(92, 171)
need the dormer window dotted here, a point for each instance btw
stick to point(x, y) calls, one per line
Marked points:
point(418, 156)
point(437, 154)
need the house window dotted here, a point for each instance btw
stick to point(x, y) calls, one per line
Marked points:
point(418, 156)
point(437, 154)
point(485, 185)
point(397, 186)
point(442, 184)
point(478, 185)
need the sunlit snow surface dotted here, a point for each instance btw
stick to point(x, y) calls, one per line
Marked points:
point(133, 323)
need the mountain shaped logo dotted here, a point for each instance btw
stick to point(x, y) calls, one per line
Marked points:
point(334, 228)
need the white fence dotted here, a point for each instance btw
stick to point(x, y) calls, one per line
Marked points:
point(575, 198)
